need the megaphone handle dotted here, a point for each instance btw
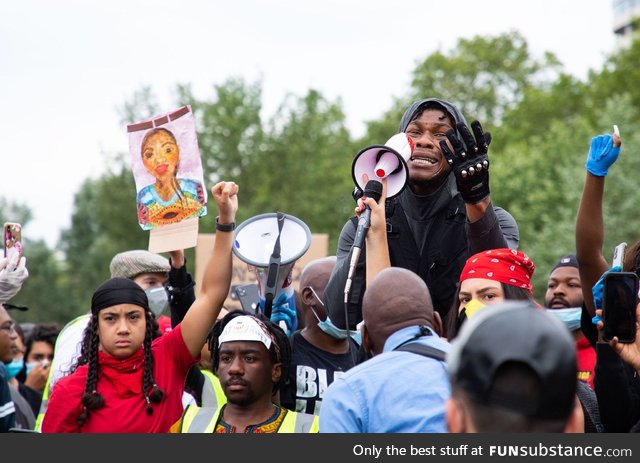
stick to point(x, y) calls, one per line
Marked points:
point(355, 256)
point(272, 279)
point(268, 304)
point(274, 269)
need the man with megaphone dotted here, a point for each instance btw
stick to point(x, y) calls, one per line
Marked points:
point(443, 216)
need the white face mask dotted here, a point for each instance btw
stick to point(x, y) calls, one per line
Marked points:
point(158, 299)
point(570, 317)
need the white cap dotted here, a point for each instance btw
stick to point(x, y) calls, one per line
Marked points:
point(244, 328)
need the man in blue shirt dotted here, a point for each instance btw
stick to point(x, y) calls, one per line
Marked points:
point(395, 391)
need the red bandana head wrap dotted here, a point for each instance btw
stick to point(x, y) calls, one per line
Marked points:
point(505, 265)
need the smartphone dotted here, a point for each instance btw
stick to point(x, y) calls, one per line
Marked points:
point(12, 237)
point(247, 295)
point(618, 255)
point(619, 306)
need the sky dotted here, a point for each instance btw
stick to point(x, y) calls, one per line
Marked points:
point(68, 66)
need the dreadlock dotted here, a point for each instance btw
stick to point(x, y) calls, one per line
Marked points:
point(91, 398)
point(279, 352)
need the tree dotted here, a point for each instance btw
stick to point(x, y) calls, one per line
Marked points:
point(104, 223)
point(43, 291)
point(304, 168)
point(484, 75)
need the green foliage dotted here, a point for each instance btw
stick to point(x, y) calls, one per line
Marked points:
point(304, 167)
point(230, 136)
point(14, 212)
point(104, 223)
point(44, 291)
point(484, 76)
point(538, 181)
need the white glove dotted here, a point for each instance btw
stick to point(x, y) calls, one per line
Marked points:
point(13, 272)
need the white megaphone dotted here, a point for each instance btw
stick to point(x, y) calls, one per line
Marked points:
point(272, 243)
point(384, 161)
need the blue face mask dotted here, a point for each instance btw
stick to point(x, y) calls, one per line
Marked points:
point(14, 368)
point(570, 317)
point(30, 366)
point(332, 330)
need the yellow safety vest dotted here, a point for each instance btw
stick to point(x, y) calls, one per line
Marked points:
point(204, 420)
point(212, 393)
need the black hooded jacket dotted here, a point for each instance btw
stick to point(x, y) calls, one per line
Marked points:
point(429, 235)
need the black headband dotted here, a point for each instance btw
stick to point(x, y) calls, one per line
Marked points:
point(118, 291)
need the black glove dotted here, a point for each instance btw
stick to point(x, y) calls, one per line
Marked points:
point(469, 161)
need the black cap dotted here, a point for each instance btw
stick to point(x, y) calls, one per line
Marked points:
point(567, 261)
point(516, 332)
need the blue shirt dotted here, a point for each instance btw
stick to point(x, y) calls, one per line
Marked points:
point(394, 391)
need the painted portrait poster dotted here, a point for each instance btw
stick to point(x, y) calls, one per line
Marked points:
point(166, 164)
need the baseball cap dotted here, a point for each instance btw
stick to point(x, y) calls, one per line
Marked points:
point(516, 332)
point(130, 264)
point(567, 261)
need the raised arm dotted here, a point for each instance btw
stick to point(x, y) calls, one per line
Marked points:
point(217, 276)
point(469, 160)
point(589, 223)
point(181, 287)
point(377, 258)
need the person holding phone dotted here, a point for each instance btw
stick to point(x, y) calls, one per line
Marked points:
point(616, 384)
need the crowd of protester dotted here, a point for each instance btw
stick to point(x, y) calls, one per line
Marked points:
point(434, 328)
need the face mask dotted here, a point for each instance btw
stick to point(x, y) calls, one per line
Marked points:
point(158, 299)
point(570, 317)
point(332, 330)
point(472, 307)
point(31, 365)
point(14, 368)
point(469, 309)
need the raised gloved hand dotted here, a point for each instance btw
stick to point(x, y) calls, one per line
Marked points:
point(602, 155)
point(284, 310)
point(598, 291)
point(13, 272)
point(469, 161)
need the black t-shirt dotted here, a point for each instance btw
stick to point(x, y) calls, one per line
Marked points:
point(311, 372)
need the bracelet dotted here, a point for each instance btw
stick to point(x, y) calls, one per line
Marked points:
point(225, 227)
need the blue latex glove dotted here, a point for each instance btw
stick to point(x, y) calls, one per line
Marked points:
point(598, 290)
point(602, 155)
point(284, 309)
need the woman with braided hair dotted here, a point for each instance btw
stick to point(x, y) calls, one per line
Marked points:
point(125, 382)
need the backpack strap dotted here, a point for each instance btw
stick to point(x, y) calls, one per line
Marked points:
point(421, 349)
